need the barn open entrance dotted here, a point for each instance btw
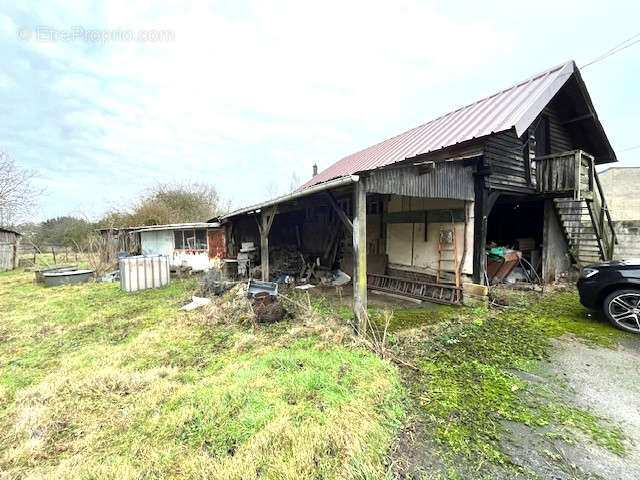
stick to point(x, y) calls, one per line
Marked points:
point(515, 237)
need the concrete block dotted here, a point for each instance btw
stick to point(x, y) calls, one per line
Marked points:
point(475, 289)
point(471, 300)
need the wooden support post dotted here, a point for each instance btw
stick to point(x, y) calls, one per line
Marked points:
point(484, 202)
point(264, 225)
point(360, 256)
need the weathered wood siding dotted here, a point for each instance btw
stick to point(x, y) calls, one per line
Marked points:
point(8, 250)
point(503, 153)
point(560, 140)
point(508, 156)
point(451, 180)
point(556, 174)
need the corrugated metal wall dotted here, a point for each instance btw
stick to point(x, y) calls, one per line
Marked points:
point(450, 180)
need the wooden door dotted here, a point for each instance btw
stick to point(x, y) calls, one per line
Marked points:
point(217, 243)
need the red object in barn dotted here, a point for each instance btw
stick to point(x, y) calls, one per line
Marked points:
point(497, 271)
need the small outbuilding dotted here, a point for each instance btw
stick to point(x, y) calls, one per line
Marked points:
point(9, 243)
point(199, 246)
point(117, 241)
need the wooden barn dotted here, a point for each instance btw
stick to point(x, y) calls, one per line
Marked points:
point(417, 214)
point(9, 243)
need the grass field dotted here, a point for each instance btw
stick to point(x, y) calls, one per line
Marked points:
point(95, 383)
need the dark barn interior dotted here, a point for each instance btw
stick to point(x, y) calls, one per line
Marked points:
point(514, 218)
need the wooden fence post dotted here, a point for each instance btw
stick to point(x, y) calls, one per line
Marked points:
point(53, 251)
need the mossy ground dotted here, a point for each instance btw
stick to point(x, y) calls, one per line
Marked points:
point(96, 383)
point(469, 384)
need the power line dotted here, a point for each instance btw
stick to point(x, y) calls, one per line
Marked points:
point(618, 48)
point(629, 149)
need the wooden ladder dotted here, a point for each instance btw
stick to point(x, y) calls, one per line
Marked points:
point(431, 292)
point(447, 245)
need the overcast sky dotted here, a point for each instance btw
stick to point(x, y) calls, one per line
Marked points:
point(244, 94)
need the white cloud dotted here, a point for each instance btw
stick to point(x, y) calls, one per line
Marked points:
point(247, 93)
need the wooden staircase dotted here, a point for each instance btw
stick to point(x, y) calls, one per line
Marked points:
point(583, 241)
point(572, 180)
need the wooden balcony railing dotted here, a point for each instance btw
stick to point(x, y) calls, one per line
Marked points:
point(566, 174)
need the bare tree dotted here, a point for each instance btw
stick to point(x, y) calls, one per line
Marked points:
point(294, 183)
point(272, 189)
point(18, 196)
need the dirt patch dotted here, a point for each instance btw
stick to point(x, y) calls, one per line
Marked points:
point(607, 382)
point(417, 456)
point(604, 381)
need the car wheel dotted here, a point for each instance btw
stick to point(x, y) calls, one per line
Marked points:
point(622, 308)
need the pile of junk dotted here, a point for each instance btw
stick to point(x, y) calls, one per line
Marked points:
point(260, 298)
point(290, 267)
point(516, 264)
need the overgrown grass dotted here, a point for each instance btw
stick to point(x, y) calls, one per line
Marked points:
point(95, 383)
point(468, 384)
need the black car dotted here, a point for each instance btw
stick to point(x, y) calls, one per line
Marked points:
point(613, 287)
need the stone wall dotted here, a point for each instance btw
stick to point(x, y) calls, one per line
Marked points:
point(628, 233)
point(620, 185)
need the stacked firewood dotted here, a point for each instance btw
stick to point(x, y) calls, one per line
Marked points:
point(285, 260)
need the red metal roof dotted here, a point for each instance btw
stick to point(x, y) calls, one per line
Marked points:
point(516, 107)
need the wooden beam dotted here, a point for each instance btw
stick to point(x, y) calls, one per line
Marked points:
point(264, 226)
point(479, 234)
point(579, 118)
point(343, 216)
point(272, 214)
point(484, 202)
point(360, 256)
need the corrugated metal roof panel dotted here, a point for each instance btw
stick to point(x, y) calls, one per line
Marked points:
point(176, 226)
point(516, 107)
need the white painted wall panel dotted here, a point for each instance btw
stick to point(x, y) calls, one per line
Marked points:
point(399, 243)
point(406, 243)
point(157, 243)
